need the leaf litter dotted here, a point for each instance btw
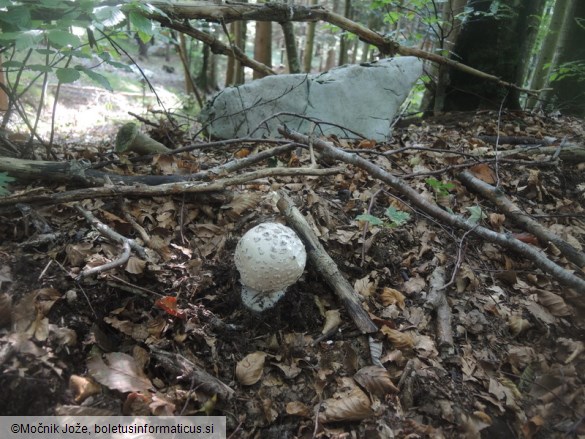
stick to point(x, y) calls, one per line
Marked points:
point(168, 335)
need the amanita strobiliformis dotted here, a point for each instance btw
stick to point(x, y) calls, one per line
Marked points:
point(270, 257)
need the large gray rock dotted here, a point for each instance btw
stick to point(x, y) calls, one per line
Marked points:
point(362, 98)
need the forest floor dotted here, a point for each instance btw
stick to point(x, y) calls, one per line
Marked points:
point(167, 334)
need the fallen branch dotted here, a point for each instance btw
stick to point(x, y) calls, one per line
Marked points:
point(179, 188)
point(110, 234)
point(437, 301)
point(329, 151)
point(325, 265)
point(524, 220)
point(570, 153)
point(185, 370)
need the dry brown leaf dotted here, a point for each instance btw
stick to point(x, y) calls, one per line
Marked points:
point(83, 387)
point(138, 331)
point(291, 371)
point(414, 285)
point(484, 173)
point(243, 202)
point(365, 286)
point(297, 408)
point(518, 325)
point(352, 405)
point(376, 380)
point(496, 220)
point(332, 321)
point(390, 296)
point(400, 340)
point(118, 371)
point(249, 369)
point(135, 265)
point(77, 253)
point(554, 303)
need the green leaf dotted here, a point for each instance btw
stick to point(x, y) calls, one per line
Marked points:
point(23, 40)
point(67, 75)
point(18, 16)
point(120, 65)
point(100, 79)
point(397, 217)
point(373, 220)
point(39, 68)
point(4, 179)
point(11, 64)
point(46, 51)
point(476, 214)
point(108, 15)
point(141, 23)
point(62, 38)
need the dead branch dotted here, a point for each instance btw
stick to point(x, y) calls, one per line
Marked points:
point(185, 370)
point(571, 153)
point(163, 189)
point(109, 233)
point(329, 151)
point(524, 220)
point(437, 300)
point(325, 265)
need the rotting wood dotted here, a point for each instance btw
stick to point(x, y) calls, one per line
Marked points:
point(507, 241)
point(524, 220)
point(325, 265)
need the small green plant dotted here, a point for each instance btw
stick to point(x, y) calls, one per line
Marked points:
point(395, 217)
point(476, 214)
point(4, 180)
point(440, 188)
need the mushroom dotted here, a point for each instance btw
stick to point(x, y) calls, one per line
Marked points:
point(130, 139)
point(270, 257)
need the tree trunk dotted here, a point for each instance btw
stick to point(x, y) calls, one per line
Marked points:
point(229, 70)
point(290, 43)
point(448, 34)
point(543, 67)
point(240, 41)
point(184, 55)
point(568, 94)
point(3, 95)
point(491, 44)
point(343, 41)
point(263, 45)
point(309, 43)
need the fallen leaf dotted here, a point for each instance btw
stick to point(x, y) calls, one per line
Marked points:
point(249, 369)
point(83, 387)
point(376, 380)
point(119, 372)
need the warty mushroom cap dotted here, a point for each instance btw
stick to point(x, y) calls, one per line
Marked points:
point(270, 257)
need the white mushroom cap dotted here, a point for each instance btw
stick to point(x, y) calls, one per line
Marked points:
point(270, 257)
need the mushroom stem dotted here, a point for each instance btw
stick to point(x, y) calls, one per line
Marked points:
point(130, 139)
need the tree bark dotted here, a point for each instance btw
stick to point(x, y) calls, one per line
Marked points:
point(290, 43)
point(343, 41)
point(309, 43)
point(568, 94)
point(493, 45)
point(263, 46)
